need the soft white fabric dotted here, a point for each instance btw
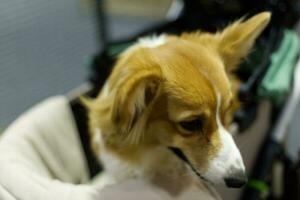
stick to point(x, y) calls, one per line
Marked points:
point(41, 158)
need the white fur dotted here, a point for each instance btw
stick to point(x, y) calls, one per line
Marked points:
point(116, 170)
point(152, 41)
point(228, 159)
point(105, 90)
point(170, 170)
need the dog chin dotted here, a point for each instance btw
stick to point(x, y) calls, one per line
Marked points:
point(225, 171)
point(206, 177)
point(232, 177)
point(213, 179)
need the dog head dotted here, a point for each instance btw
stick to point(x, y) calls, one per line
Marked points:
point(174, 91)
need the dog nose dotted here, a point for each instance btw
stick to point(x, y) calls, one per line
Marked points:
point(236, 180)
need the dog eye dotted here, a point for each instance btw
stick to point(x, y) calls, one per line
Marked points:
point(192, 126)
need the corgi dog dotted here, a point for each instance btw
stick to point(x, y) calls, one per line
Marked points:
point(164, 112)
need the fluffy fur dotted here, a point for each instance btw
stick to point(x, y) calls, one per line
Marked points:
point(159, 83)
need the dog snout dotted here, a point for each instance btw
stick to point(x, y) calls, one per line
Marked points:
point(236, 179)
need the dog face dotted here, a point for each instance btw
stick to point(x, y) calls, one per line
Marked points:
point(175, 92)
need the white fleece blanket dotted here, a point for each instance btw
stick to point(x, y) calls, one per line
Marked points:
point(41, 158)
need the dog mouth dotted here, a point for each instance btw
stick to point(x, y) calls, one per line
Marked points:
point(236, 181)
point(182, 156)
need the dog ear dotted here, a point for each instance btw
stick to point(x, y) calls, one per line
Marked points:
point(237, 39)
point(133, 102)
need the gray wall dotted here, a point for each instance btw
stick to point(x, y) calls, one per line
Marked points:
point(45, 47)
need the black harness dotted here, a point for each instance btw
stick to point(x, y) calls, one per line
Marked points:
point(181, 155)
point(81, 120)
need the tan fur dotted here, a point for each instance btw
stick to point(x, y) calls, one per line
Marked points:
point(152, 89)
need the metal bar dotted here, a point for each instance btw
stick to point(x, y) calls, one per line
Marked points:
point(101, 22)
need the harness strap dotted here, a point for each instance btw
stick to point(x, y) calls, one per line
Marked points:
point(181, 155)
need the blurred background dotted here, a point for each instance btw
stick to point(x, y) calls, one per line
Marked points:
point(49, 47)
point(46, 46)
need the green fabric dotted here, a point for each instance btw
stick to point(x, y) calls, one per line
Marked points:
point(116, 49)
point(277, 82)
point(258, 185)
